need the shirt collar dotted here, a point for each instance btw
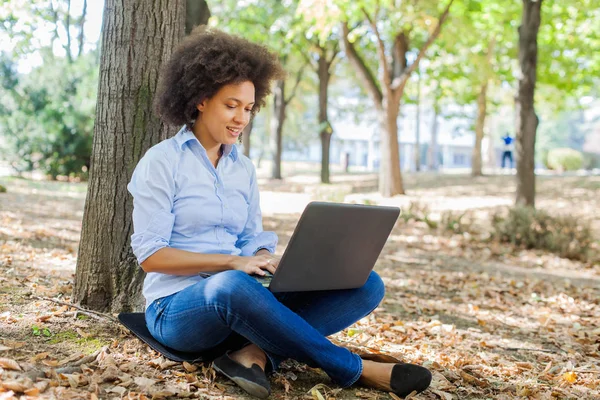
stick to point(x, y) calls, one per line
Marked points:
point(185, 135)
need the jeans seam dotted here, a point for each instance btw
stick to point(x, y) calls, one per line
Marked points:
point(250, 328)
point(357, 376)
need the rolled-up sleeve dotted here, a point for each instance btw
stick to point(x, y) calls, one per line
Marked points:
point(253, 237)
point(152, 187)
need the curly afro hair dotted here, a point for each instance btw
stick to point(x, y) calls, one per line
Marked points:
point(205, 61)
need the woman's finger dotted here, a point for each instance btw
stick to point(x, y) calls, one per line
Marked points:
point(271, 268)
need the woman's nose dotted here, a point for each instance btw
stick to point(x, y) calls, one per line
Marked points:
point(242, 117)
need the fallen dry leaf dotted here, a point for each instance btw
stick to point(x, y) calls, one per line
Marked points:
point(33, 392)
point(570, 377)
point(39, 356)
point(163, 394)
point(19, 386)
point(50, 363)
point(82, 333)
point(144, 382)
point(116, 389)
point(10, 395)
point(189, 367)
point(472, 380)
point(443, 395)
point(8, 363)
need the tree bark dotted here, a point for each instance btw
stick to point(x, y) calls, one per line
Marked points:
point(476, 161)
point(390, 178)
point(418, 127)
point(138, 37)
point(81, 38)
point(246, 138)
point(432, 164)
point(527, 120)
point(324, 126)
point(197, 13)
point(67, 46)
point(279, 106)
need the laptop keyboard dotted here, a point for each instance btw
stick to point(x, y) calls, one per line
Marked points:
point(264, 280)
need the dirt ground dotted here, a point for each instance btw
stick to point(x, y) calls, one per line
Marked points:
point(490, 321)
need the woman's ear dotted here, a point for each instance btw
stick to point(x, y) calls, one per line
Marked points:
point(201, 106)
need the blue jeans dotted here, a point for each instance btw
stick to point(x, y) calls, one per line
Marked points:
point(233, 304)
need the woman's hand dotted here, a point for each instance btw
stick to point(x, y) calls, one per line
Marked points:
point(256, 264)
point(274, 259)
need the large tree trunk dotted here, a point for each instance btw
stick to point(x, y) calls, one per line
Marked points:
point(432, 153)
point(390, 178)
point(324, 126)
point(527, 120)
point(476, 162)
point(279, 105)
point(138, 37)
point(246, 138)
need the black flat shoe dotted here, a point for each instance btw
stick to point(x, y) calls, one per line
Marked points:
point(252, 380)
point(405, 379)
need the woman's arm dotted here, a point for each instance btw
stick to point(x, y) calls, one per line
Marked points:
point(181, 262)
point(173, 261)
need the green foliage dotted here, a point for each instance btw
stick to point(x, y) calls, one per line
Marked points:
point(418, 212)
point(591, 160)
point(456, 222)
point(36, 331)
point(565, 159)
point(568, 60)
point(536, 229)
point(47, 116)
point(2, 189)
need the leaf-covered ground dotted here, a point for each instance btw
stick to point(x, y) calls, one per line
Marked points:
point(490, 321)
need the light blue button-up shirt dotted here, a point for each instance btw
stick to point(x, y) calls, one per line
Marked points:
point(181, 200)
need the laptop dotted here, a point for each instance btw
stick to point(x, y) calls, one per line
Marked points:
point(334, 246)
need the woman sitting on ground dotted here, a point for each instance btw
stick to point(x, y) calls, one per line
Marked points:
point(198, 234)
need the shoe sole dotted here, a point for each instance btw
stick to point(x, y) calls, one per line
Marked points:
point(251, 387)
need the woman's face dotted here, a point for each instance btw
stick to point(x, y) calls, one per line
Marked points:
point(224, 116)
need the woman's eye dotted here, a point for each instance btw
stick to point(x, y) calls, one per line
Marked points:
point(230, 107)
point(248, 110)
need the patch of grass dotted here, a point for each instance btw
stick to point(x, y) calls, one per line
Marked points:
point(85, 345)
point(64, 336)
point(90, 345)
